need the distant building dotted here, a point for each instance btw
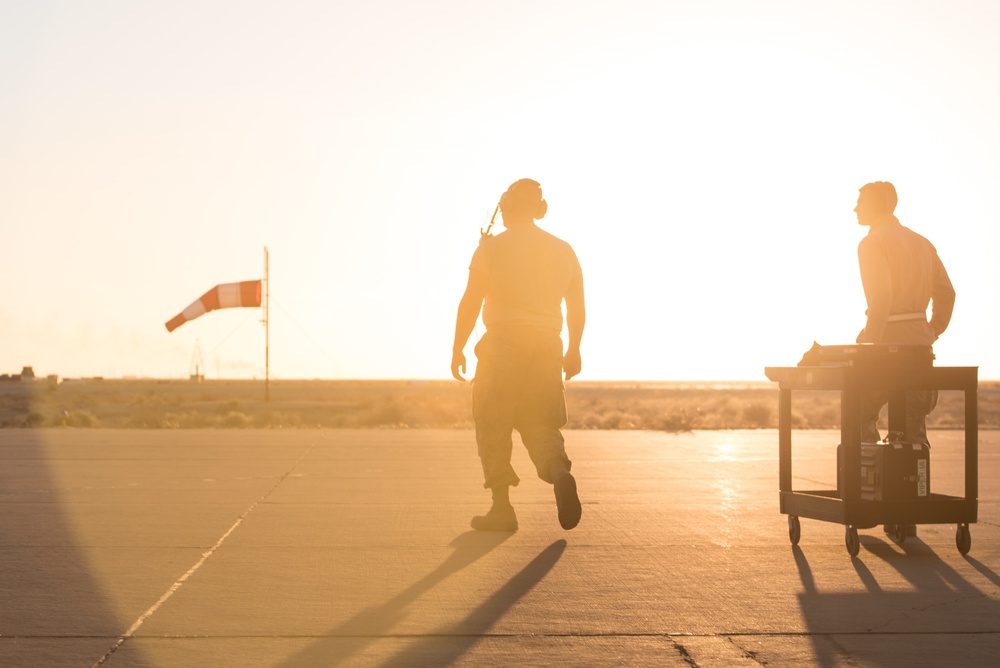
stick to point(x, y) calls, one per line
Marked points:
point(28, 374)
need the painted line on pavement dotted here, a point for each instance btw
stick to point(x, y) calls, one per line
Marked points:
point(204, 557)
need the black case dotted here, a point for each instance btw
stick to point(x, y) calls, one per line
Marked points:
point(891, 471)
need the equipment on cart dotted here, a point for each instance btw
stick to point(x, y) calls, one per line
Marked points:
point(869, 355)
point(890, 471)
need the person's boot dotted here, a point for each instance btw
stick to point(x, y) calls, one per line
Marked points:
point(499, 518)
point(567, 502)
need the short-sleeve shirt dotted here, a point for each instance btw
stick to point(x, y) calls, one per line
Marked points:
point(902, 274)
point(529, 272)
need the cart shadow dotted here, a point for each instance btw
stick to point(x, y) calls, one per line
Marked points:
point(984, 570)
point(940, 600)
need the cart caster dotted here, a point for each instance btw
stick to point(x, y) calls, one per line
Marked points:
point(852, 540)
point(794, 529)
point(963, 539)
point(897, 532)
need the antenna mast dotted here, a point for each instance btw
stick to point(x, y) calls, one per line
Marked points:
point(197, 363)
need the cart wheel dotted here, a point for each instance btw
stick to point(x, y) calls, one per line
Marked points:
point(898, 533)
point(794, 529)
point(963, 539)
point(852, 540)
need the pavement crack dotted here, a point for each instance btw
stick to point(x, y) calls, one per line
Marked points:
point(845, 656)
point(914, 610)
point(746, 653)
point(685, 654)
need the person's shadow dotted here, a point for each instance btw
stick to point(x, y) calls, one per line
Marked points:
point(366, 627)
point(941, 601)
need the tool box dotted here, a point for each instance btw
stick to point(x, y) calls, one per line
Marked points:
point(891, 471)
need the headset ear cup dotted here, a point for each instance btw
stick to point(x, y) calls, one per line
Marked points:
point(543, 207)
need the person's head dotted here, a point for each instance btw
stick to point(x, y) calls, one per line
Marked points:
point(875, 201)
point(522, 202)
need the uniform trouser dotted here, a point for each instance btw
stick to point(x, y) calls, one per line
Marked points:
point(919, 404)
point(518, 385)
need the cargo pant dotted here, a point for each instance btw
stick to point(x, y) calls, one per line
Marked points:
point(518, 385)
point(919, 404)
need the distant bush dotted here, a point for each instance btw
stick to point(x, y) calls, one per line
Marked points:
point(235, 420)
point(383, 413)
point(757, 415)
point(266, 419)
point(33, 419)
point(80, 419)
point(612, 419)
point(679, 421)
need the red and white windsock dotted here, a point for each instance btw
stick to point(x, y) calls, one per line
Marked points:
point(227, 295)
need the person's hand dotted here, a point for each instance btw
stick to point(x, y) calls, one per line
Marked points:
point(458, 365)
point(572, 363)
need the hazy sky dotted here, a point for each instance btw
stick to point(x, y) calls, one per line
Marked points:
point(703, 157)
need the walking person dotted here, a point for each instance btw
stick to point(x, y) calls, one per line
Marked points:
point(520, 279)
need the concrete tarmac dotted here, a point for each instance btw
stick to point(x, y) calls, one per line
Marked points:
point(353, 548)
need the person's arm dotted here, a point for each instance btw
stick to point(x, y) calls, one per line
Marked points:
point(876, 280)
point(576, 319)
point(465, 322)
point(942, 298)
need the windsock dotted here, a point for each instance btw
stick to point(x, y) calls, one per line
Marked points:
point(227, 295)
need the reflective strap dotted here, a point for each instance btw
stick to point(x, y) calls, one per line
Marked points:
point(899, 317)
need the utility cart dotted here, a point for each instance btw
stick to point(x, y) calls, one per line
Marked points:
point(878, 368)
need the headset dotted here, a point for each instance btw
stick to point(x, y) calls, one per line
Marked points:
point(540, 210)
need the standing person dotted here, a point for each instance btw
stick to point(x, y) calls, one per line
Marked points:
point(520, 278)
point(901, 274)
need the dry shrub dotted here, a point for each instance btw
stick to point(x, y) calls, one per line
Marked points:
point(265, 419)
point(32, 419)
point(757, 415)
point(195, 419)
point(148, 417)
point(386, 412)
point(235, 420)
point(679, 421)
point(80, 419)
point(613, 419)
point(451, 411)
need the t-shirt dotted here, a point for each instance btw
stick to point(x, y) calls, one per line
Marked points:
point(901, 274)
point(528, 274)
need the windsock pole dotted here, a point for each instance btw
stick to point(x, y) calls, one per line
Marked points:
point(267, 329)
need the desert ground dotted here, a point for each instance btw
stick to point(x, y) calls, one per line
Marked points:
point(231, 404)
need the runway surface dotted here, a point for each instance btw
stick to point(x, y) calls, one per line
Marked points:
point(352, 548)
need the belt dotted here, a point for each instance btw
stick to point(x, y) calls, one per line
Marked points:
point(899, 317)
